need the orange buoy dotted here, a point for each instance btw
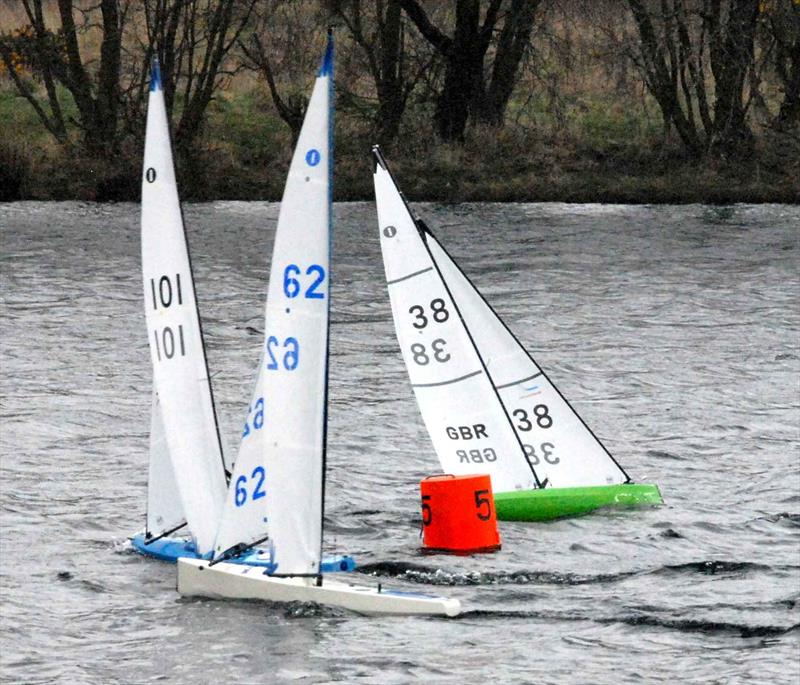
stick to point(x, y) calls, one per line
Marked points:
point(458, 515)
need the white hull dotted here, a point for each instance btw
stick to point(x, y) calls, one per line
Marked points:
point(234, 581)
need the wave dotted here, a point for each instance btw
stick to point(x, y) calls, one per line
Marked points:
point(417, 573)
point(712, 568)
point(679, 624)
point(793, 519)
point(429, 575)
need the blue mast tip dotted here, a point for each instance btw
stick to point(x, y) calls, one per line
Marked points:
point(155, 75)
point(327, 61)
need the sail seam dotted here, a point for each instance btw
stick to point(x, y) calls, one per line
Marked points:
point(452, 380)
point(521, 380)
point(407, 276)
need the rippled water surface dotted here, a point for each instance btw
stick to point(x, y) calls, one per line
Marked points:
point(674, 330)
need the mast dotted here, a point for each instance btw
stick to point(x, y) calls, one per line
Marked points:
point(225, 471)
point(327, 70)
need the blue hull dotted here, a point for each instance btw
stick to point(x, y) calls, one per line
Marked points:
point(171, 549)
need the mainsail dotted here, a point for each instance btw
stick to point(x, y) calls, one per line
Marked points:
point(180, 372)
point(467, 422)
point(276, 489)
point(558, 444)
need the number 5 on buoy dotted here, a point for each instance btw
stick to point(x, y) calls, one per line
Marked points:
point(458, 515)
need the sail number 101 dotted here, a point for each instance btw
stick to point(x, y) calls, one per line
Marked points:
point(165, 292)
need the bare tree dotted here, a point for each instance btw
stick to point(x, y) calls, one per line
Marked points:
point(695, 57)
point(282, 49)
point(783, 26)
point(56, 58)
point(464, 90)
point(380, 34)
point(192, 39)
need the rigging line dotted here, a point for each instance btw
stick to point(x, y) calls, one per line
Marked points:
point(452, 380)
point(407, 276)
point(521, 380)
point(423, 231)
point(149, 540)
point(628, 479)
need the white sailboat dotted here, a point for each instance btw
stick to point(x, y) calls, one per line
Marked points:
point(187, 473)
point(187, 482)
point(276, 492)
point(487, 405)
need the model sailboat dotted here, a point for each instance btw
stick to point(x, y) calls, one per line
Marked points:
point(487, 405)
point(277, 486)
point(187, 482)
point(187, 472)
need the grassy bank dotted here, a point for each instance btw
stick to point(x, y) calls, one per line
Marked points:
point(601, 154)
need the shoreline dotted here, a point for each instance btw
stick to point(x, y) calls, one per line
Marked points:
point(685, 186)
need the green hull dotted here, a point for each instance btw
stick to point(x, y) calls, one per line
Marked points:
point(555, 503)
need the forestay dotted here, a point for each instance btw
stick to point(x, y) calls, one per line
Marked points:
point(164, 509)
point(276, 487)
point(176, 344)
point(558, 443)
point(467, 423)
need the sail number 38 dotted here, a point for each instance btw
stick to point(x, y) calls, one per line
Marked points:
point(437, 311)
point(541, 414)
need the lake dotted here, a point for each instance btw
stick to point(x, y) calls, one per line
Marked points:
point(674, 331)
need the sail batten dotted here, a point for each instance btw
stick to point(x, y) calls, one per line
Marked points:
point(407, 276)
point(517, 382)
point(448, 382)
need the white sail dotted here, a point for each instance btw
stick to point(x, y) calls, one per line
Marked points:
point(467, 423)
point(276, 487)
point(176, 344)
point(560, 447)
point(164, 509)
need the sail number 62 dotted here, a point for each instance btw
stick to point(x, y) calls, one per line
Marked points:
point(292, 287)
point(240, 496)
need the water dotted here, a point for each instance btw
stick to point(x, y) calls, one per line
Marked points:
point(674, 330)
